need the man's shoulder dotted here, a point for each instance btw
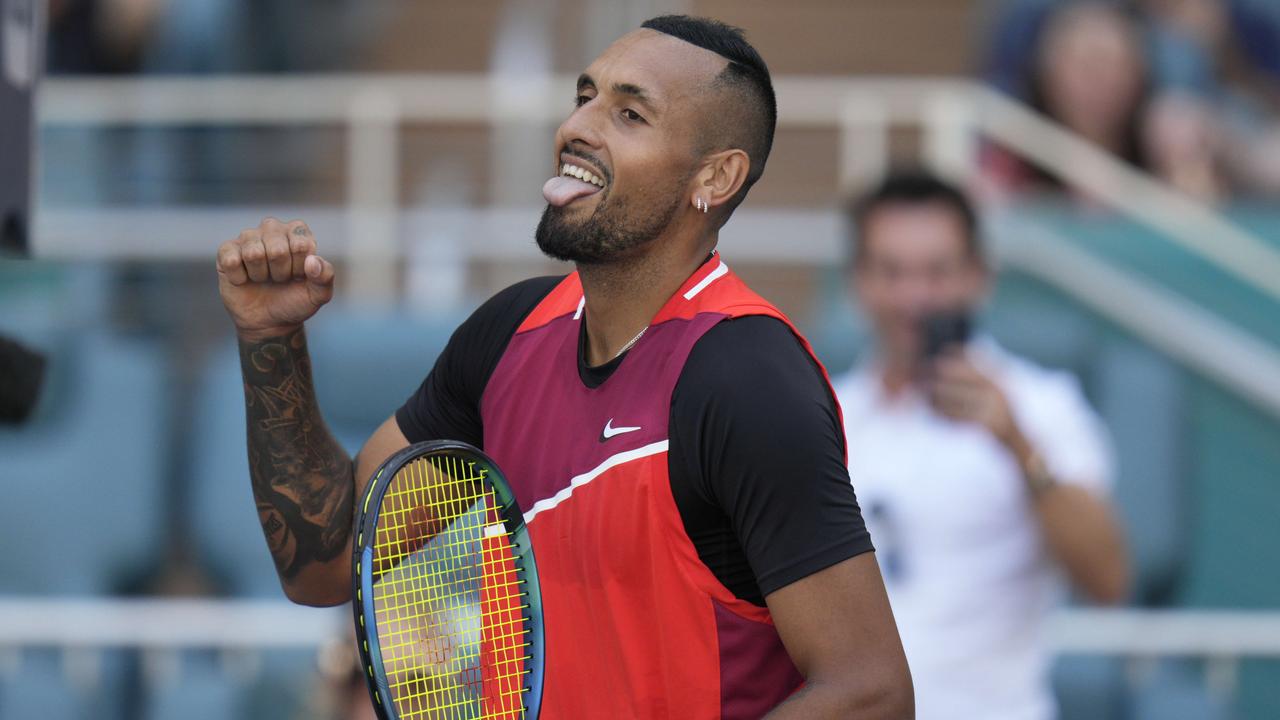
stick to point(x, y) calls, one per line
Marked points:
point(1031, 383)
point(749, 355)
point(748, 345)
point(742, 330)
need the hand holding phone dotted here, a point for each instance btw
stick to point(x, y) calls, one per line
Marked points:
point(945, 330)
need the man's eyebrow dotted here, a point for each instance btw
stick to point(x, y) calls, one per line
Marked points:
point(639, 94)
point(635, 91)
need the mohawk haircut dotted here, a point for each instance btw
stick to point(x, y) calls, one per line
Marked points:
point(746, 75)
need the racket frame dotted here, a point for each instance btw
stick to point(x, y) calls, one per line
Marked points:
point(364, 532)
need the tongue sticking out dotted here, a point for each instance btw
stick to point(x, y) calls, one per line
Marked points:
point(562, 190)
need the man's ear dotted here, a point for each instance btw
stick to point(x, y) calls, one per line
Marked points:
point(721, 176)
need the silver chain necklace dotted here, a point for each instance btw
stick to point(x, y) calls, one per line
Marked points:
point(630, 342)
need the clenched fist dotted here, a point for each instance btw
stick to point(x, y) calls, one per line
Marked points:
point(271, 279)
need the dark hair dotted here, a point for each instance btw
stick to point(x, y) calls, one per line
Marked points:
point(1132, 150)
point(916, 187)
point(746, 73)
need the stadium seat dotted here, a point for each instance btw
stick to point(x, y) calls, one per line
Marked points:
point(42, 297)
point(1141, 396)
point(1090, 688)
point(199, 690)
point(40, 690)
point(84, 485)
point(206, 685)
point(367, 363)
point(83, 478)
point(1176, 691)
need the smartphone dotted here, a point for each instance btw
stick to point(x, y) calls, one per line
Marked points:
point(944, 330)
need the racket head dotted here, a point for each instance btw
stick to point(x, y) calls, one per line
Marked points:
point(447, 605)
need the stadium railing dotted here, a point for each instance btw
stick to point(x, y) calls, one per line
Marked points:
point(952, 113)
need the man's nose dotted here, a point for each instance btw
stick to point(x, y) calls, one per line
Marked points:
point(582, 127)
point(915, 295)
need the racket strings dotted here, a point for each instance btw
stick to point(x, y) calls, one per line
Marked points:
point(448, 598)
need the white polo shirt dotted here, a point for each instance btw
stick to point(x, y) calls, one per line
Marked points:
point(968, 574)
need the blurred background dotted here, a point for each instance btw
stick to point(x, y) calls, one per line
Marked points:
point(1128, 166)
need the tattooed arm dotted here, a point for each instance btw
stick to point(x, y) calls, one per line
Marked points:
point(302, 478)
point(271, 281)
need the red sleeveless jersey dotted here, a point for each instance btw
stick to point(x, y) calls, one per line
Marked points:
point(636, 625)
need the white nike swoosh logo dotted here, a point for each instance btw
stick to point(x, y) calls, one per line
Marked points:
point(610, 430)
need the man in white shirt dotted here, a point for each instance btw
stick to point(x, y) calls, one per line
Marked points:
point(983, 478)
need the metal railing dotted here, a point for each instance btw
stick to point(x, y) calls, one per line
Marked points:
point(952, 113)
point(1205, 342)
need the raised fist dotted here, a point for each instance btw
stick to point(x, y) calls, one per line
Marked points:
point(271, 279)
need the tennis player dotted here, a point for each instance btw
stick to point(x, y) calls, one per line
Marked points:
point(674, 444)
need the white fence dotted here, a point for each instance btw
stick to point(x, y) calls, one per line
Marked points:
point(953, 114)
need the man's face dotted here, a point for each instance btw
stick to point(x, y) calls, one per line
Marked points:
point(914, 263)
point(635, 128)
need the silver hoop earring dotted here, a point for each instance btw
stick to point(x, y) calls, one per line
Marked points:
point(700, 204)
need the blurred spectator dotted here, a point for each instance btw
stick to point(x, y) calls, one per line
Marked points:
point(1218, 62)
point(166, 165)
point(1187, 90)
point(1085, 67)
point(99, 36)
point(92, 37)
point(983, 476)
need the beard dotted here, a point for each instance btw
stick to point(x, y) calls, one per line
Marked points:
point(611, 233)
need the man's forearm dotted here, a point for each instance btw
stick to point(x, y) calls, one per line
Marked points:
point(302, 477)
point(1079, 529)
point(1082, 533)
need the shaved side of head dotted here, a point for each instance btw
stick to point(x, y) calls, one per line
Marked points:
point(741, 110)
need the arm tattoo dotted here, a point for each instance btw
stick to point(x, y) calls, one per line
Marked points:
point(302, 478)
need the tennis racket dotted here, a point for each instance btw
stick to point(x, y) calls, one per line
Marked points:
point(447, 608)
